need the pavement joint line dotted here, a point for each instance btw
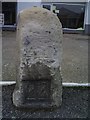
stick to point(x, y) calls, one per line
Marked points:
point(65, 84)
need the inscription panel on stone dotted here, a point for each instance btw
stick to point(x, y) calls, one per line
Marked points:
point(36, 90)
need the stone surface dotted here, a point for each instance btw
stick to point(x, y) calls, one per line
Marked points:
point(39, 37)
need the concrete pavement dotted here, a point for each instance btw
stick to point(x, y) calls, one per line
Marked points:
point(74, 63)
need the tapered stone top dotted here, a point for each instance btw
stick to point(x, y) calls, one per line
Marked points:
point(39, 36)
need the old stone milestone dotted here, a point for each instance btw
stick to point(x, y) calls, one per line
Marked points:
point(39, 37)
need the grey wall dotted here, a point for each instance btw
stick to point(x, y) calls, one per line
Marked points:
point(87, 18)
point(87, 14)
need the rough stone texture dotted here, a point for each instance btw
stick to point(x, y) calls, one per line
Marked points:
point(39, 82)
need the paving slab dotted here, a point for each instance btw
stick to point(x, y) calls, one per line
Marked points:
point(75, 58)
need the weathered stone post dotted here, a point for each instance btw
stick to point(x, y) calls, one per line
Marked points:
point(39, 83)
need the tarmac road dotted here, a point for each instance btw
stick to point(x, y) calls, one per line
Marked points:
point(74, 105)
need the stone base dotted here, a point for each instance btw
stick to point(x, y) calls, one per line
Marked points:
point(36, 104)
point(37, 95)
